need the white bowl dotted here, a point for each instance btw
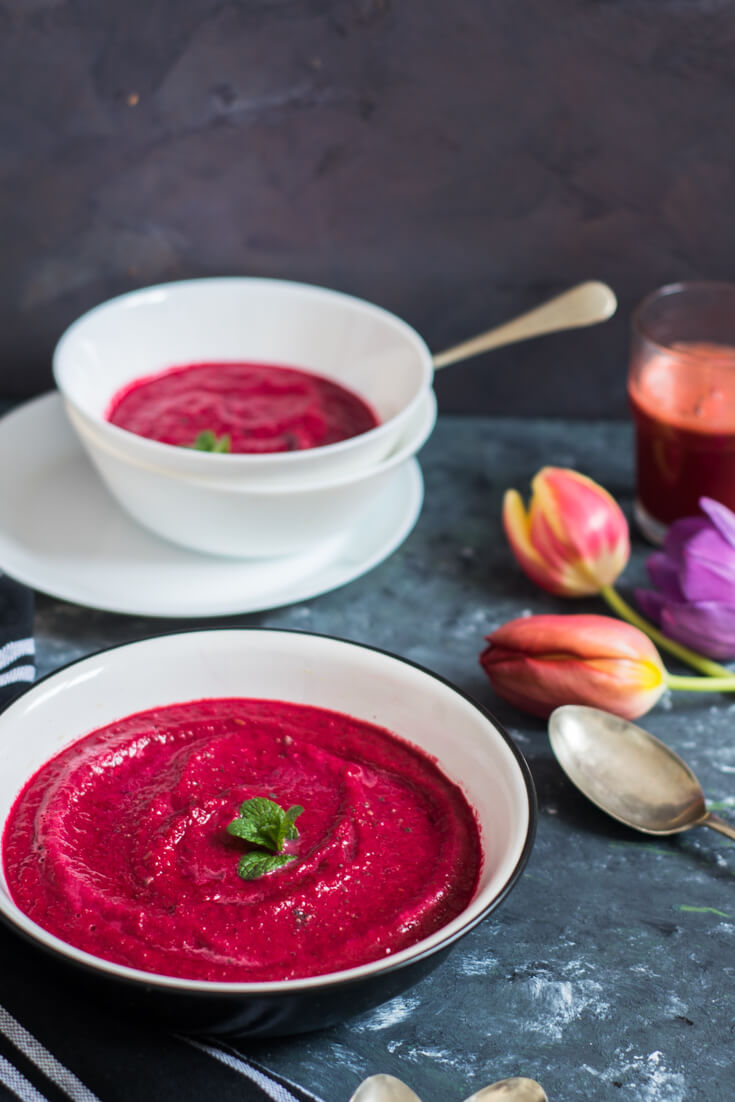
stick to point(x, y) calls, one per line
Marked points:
point(359, 345)
point(467, 743)
point(258, 521)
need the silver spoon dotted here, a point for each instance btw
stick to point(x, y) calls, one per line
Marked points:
point(628, 773)
point(386, 1088)
point(586, 304)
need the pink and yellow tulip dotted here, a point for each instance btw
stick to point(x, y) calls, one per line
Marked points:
point(573, 540)
point(540, 662)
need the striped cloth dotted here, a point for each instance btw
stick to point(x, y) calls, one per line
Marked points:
point(17, 647)
point(54, 1044)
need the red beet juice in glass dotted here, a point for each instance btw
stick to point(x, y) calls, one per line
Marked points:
point(683, 405)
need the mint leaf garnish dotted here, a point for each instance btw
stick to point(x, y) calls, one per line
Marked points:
point(208, 441)
point(291, 814)
point(263, 823)
point(258, 863)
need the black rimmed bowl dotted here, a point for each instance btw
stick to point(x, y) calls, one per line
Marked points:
point(469, 746)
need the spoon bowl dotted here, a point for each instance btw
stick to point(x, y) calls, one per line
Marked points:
point(386, 1088)
point(517, 1089)
point(628, 773)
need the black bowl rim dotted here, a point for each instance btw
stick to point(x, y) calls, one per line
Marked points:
point(204, 989)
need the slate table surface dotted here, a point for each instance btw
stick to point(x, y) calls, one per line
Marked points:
point(608, 973)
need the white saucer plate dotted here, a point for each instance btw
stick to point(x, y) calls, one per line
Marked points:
point(62, 533)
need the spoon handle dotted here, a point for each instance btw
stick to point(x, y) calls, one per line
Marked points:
point(717, 823)
point(585, 304)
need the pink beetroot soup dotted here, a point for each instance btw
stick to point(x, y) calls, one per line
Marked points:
point(119, 844)
point(260, 407)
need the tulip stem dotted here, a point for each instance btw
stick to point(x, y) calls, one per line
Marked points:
point(701, 684)
point(690, 657)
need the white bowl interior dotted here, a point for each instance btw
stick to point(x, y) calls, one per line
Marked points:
point(304, 669)
point(273, 321)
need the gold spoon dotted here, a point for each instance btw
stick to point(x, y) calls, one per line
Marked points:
point(628, 773)
point(517, 1089)
point(386, 1088)
point(585, 304)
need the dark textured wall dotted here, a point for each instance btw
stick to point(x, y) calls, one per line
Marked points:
point(454, 161)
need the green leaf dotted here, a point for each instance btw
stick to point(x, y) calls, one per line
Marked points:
point(291, 814)
point(263, 823)
point(243, 828)
point(253, 816)
point(208, 441)
point(257, 863)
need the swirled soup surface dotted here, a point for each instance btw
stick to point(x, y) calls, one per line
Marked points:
point(261, 407)
point(119, 845)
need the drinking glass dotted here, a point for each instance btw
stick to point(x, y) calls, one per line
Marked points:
point(681, 386)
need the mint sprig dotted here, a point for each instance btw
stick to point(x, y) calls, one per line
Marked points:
point(208, 441)
point(263, 823)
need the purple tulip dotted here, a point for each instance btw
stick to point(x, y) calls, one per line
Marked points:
point(694, 578)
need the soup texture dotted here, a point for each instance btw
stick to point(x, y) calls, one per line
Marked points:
point(257, 407)
point(120, 844)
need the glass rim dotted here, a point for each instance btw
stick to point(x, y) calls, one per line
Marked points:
point(670, 289)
